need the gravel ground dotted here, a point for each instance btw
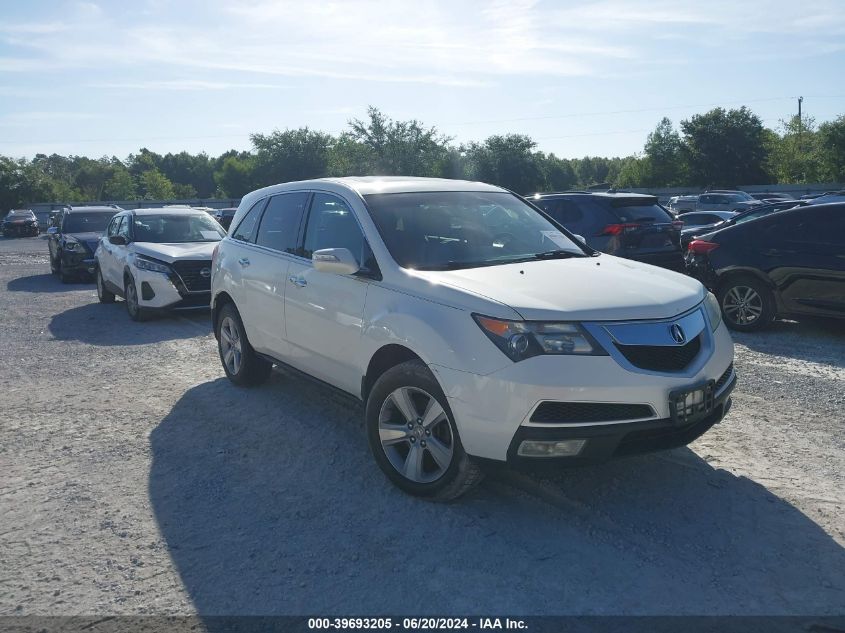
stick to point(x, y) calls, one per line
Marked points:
point(134, 479)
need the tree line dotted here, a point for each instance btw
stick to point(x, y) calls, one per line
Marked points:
point(723, 148)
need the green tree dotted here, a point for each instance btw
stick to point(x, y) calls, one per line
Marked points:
point(283, 156)
point(183, 191)
point(558, 174)
point(507, 161)
point(120, 186)
point(156, 186)
point(636, 171)
point(234, 177)
point(795, 153)
point(404, 148)
point(725, 148)
point(663, 151)
point(194, 170)
point(832, 150)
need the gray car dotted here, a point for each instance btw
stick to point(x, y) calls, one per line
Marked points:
point(725, 201)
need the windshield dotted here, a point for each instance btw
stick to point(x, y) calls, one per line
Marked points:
point(462, 229)
point(86, 222)
point(177, 228)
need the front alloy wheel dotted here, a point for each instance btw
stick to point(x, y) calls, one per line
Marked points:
point(413, 437)
point(415, 434)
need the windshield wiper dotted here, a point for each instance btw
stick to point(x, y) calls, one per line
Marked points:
point(557, 254)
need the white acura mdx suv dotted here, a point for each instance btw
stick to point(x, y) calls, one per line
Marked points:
point(472, 326)
point(157, 259)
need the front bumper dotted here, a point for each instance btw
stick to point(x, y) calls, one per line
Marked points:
point(618, 440)
point(160, 291)
point(20, 229)
point(78, 262)
point(493, 410)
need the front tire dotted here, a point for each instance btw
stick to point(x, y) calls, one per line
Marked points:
point(102, 293)
point(747, 304)
point(413, 436)
point(130, 294)
point(64, 275)
point(242, 365)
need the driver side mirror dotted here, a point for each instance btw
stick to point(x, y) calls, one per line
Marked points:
point(340, 261)
point(580, 238)
point(117, 240)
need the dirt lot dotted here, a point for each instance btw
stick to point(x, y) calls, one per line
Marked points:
point(135, 479)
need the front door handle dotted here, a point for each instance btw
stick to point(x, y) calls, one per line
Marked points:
point(299, 282)
point(243, 261)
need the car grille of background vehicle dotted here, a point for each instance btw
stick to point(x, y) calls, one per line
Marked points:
point(190, 272)
point(661, 357)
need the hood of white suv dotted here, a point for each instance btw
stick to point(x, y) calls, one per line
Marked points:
point(174, 252)
point(601, 288)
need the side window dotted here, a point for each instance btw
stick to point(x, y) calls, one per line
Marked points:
point(246, 227)
point(566, 212)
point(123, 229)
point(279, 228)
point(331, 224)
point(112, 230)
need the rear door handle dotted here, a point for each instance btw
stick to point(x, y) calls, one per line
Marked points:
point(299, 282)
point(243, 261)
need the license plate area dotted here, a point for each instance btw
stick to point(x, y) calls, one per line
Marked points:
point(692, 404)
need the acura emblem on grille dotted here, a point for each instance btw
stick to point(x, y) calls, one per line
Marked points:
point(678, 334)
point(205, 272)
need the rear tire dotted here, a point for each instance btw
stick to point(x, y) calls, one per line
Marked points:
point(242, 365)
point(130, 293)
point(747, 304)
point(413, 436)
point(102, 293)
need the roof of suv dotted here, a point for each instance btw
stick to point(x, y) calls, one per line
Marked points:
point(365, 185)
point(173, 210)
point(597, 194)
point(93, 209)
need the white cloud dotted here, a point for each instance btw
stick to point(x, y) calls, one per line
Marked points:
point(186, 85)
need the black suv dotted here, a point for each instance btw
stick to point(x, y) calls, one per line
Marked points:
point(20, 222)
point(75, 238)
point(627, 225)
point(788, 263)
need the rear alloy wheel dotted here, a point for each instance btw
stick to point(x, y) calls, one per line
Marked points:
point(102, 293)
point(130, 294)
point(240, 362)
point(413, 437)
point(747, 304)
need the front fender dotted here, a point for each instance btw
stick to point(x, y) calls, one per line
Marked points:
point(438, 334)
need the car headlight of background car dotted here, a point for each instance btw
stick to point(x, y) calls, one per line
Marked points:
point(147, 263)
point(714, 312)
point(523, 339)
point(74, 246)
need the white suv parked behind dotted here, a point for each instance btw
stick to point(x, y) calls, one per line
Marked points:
point(471, 325)
point(157, 259)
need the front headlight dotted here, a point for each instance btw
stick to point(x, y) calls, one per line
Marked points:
point(714, 312)
point(73, 246)
point(144, 263)
point(523, 339)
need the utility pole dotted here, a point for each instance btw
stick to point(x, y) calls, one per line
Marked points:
point(800, 100)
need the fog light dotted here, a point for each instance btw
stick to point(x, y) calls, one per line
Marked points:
point(550, 448)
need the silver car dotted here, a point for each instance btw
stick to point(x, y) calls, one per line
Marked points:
point(725, 201)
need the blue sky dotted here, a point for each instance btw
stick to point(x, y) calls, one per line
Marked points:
point(582, 78)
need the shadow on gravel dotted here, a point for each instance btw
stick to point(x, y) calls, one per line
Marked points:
point(109, 324)
point(44, 283)
point(813, 339)
point(270, 503)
